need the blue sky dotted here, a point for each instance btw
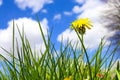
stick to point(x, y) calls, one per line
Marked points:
point(56, 14)
point(11, 10)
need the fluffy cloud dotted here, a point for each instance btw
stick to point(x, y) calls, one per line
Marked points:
point(67, 13)
point(32, 32)
point(80, 1)
point(35, 5)
point(1, 2)
point(44, 11)
point(92, 37)
point(88, 5)
point(76, 9)
point(91, 9)
point(57, 17)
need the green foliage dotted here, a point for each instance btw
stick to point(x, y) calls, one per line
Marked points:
point(56, 65)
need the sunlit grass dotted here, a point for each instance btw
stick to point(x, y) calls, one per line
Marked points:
point(66, 63)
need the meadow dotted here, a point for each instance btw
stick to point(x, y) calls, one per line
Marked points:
point(69, 63)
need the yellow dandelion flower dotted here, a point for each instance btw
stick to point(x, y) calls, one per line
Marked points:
point(81, 24)
point(68, 78)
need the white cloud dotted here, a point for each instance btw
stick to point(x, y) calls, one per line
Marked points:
point(88, 5)
point(1, 2)
point(92, 10)
point(91, 39)
point(80, 1)
point(67, 35)
point(57, 17)
point(35, 5)
point(76, 9)
point(44, 11)
point(67, 13)
point(32, 32)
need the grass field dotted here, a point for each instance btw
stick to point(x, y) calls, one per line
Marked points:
point(69, 63)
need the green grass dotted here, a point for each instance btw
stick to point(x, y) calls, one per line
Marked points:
point(57, 65)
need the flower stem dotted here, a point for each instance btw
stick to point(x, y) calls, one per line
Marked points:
point(90, 74)
point(82, 55)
